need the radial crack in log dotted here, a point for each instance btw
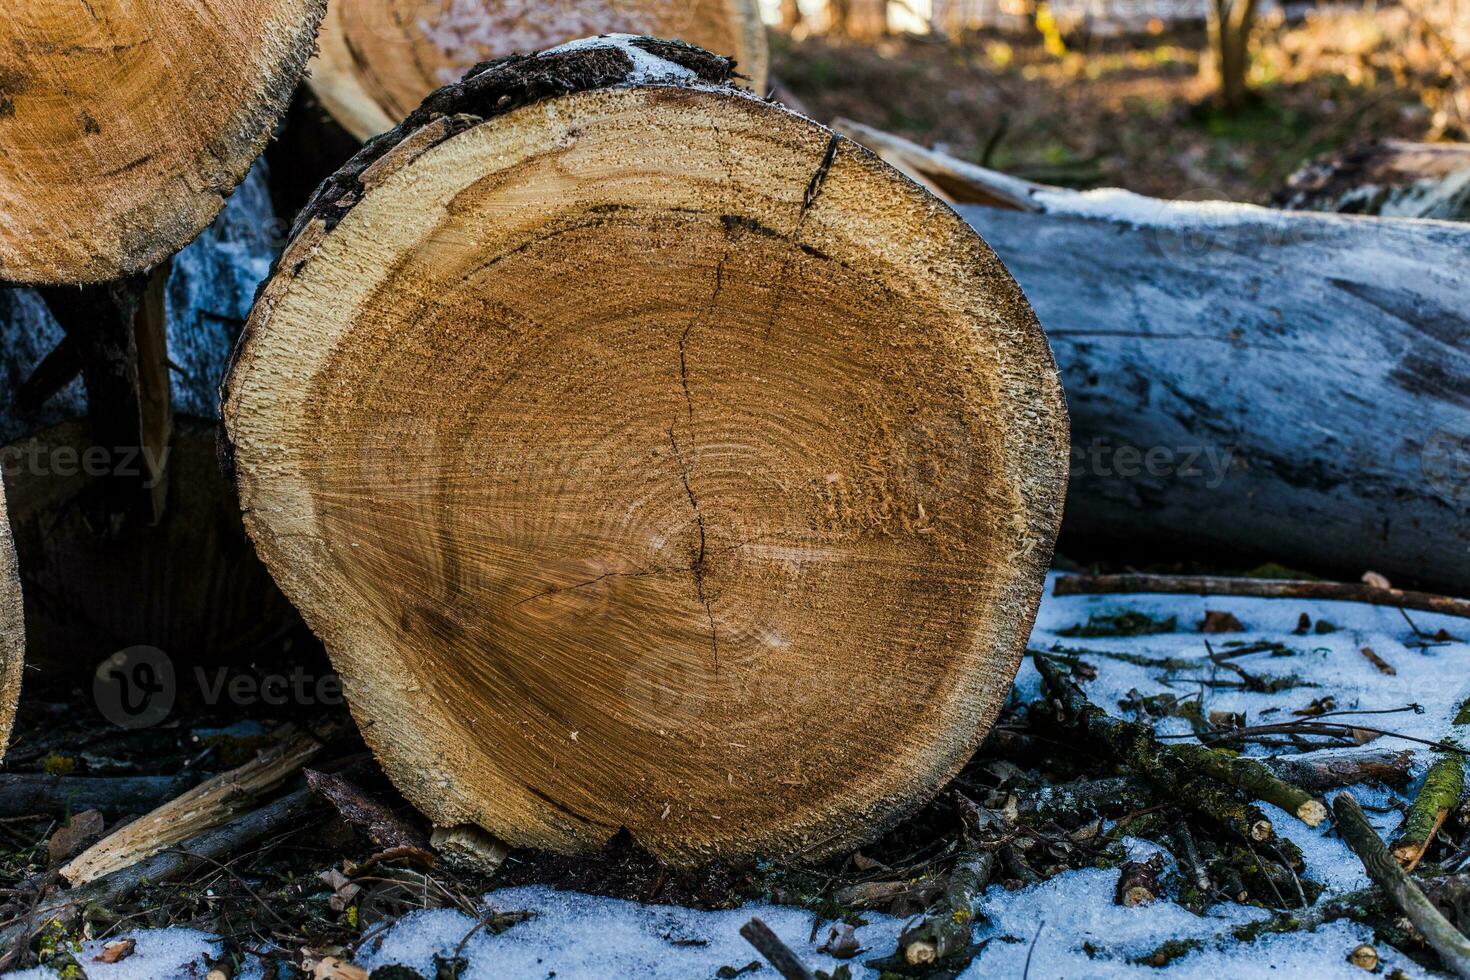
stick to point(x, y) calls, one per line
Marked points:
point(456, 393)
point(378, 59)
point(128, 124)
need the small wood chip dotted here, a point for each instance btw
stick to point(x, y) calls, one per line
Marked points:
point(1365, 957)
point(1216, 621)
point(1384, 667)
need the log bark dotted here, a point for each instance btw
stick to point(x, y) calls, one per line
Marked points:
point(1300, 380)
point(617, 430)
point(127, 125)
point(12, 628)
point(378, 60)
point(1392, 178)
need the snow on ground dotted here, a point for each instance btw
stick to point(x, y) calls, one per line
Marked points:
point(1067, 926)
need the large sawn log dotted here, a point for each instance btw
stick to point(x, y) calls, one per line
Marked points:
point(378, 59)
point(649, 457)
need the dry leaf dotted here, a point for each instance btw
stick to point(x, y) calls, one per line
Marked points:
point(116, 951)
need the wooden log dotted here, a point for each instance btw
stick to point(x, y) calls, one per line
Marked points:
point(191, 586)
point(617, 431)
point(126, 125)
point(378, 60)
point(1392, 178)
point(1258, 384)
point(211, 285)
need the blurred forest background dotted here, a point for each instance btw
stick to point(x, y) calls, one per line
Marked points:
point(1195, 99)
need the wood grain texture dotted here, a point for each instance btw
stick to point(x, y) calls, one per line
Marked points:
point(649, 457)
point(124, 124)
point(379, 58)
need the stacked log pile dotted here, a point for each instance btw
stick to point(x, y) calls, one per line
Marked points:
point(662, 469)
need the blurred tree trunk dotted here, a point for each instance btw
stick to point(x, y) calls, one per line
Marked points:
point(839, 16)
point(790, 15)
point(1231, 24)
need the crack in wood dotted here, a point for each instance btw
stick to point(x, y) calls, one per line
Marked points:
point(698, 567)
point(808, 199)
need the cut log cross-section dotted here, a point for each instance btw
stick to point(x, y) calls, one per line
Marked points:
point(124, 125)
point(123, 128)
point(650, 457)
point(380, 58)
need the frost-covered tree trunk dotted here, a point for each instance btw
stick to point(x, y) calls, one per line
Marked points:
point(1270, 385)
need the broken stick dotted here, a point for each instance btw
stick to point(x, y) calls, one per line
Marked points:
point(1451, 945)
point(1264, 588)
point(1172, 766)
point(206, 806)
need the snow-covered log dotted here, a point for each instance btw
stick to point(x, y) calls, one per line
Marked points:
point(12, 628)
point(1278, 385)
point(1258, 383)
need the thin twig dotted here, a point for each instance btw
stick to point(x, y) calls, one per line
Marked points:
point(1264, 588)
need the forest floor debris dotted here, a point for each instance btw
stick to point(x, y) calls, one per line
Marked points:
point(1061, 855)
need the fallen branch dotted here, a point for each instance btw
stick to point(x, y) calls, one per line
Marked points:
point(1451, 945)
point(1348, 769)
point(950, 930)
point(1443, 786)
point(215, 845)
point(1173, 767)
point(207, 805)
point(23, 794)
point(780, 956)
point(1263, 588)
